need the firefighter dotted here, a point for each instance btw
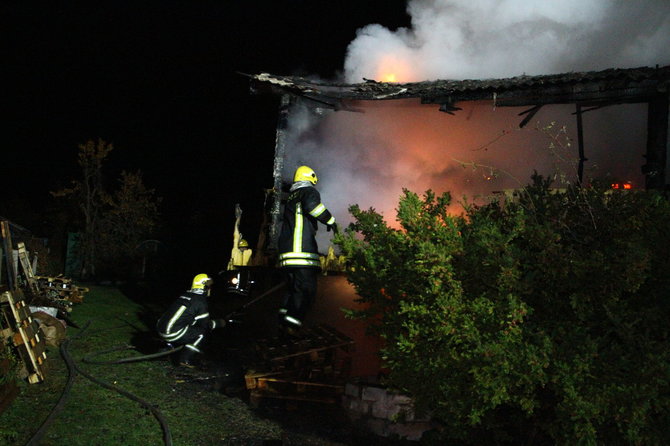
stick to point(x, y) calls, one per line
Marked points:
point(186, 321)
point(241, 253)
point(298, 251)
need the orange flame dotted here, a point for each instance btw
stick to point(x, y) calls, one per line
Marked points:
point(393, 69)
point(389, 78)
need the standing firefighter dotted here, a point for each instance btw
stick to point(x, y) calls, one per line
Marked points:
point(298, 253)
point(187, 321)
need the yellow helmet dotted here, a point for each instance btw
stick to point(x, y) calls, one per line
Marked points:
point(243, 244)
point(201, 281)
point(305, 173)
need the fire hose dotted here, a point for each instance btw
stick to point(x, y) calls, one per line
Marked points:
point(227, 318)
point(73, 370)
point(88, 359)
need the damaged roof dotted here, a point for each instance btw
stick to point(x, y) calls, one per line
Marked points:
point(595, 88)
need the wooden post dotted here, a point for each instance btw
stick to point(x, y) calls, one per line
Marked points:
point(8, 249)
point(657, 142)
point(280, 150)
point(580, 144)
point(24, 260)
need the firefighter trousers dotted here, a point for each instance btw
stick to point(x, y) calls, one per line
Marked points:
point(300, 294)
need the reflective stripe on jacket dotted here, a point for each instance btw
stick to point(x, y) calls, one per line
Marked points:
point(188, 312)
point(297, 241)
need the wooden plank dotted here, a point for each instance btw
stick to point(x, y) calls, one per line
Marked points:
point(309, 352)
point(8, 248)
point(314, 338)
point(61, 288)
point(255, 396)
point(29, 337)
point(310, 368)
point(298, 385)
point(251, 378)
point(27, 268)
point(21, 313)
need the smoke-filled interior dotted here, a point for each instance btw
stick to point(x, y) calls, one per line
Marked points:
point(368, 158)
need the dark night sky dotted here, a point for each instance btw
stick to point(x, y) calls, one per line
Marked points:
point(159, 80)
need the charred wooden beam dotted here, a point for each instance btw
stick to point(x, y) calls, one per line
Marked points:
point(596, 107)
point(280, 150)
point(554, 95)
point(580, 144)
point(448, 108)
point(530, 112)
point(631, 84)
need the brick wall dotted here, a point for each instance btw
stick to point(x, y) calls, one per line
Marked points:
point(388, 414)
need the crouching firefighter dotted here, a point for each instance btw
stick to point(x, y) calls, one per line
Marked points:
point(186, 322)
point(298, 251)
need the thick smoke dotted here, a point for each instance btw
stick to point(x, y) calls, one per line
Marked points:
point(461, 39)
point(368, 158)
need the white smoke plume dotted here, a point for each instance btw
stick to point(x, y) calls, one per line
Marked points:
point(477, 39)
point(367, 158)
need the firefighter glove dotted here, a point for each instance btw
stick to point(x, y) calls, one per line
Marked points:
point(334, 228)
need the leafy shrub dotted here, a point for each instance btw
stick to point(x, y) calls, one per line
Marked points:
point(537, 318)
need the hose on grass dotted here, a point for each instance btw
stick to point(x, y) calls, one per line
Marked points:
point(72, 374)
point(167, 436)
point(88, 359)
point(73, 370)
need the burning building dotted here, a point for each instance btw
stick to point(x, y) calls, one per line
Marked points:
point(469, 137)
point(495, 112)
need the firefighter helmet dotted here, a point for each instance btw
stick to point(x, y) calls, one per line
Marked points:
point(243, 244)
point(305, 173)
point(201, 281)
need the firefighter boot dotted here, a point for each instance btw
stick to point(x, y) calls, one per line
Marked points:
point(186, 358)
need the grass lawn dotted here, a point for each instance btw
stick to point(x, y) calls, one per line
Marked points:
point(195, 409)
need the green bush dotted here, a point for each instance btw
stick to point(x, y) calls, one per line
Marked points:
point(538, 318)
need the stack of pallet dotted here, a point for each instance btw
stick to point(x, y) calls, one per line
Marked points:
point(61, 290)
point(310, 367)
point(25, 334)
point(58, 290)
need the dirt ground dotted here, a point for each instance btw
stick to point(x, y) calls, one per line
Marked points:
point(304, 423)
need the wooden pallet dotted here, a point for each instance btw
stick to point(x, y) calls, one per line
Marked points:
point(313, 342)
point(61, 289)
point(289, 389)
point(311, 367)
point(27, 336)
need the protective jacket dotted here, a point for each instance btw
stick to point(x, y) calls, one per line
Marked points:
point(297, 241)
point(186, 321)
